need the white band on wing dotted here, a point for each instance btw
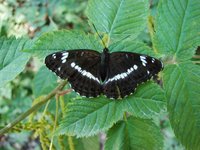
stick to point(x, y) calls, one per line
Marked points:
point(84, 72)
point(122, 75)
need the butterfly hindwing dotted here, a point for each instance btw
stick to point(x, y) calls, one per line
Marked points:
point(126, 71)
point(80, 67)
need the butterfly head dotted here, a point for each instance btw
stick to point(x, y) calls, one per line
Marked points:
point(105, 50)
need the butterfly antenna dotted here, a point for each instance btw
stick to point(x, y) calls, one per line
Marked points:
point(99, 36)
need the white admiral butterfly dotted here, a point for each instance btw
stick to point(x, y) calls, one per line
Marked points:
point(91, 73)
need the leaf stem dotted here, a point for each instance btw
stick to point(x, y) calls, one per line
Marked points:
point(33, 108)
point(125, 117)
point(62, 104)
point(70, 139)
point(196, 62)
point(196, 56)
point(55, 121)
point(45, 110)
point(151, 32)
point(151, 27)
point(71, 143)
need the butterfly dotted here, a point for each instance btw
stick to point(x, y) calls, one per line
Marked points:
point(115, 75)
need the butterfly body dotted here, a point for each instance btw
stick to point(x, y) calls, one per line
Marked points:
point(104, 67)
point(91, 73)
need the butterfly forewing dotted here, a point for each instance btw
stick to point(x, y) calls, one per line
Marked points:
point(126, 71)
point(80, 67)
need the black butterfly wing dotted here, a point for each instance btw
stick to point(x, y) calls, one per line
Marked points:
point(126, 71)
point(80, 67)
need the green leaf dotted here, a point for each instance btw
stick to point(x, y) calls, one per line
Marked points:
point(90, 143)
point(64, 40)
point(12, 60)
point(44, 82)
point(147, 102)
point(86, 117)
point(118, 18)
point(130, 46)
point(177, 28)
point(182, 84)
point(134, 134)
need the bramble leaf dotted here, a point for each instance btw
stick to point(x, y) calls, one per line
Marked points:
point(177, 28)
point(134, 134)
point(146, 102)
point(118, 18)
point(86, 117)
point(182, 84)
point(130, 46)
point(12, 60)
point(44, 82)
point(64, 40)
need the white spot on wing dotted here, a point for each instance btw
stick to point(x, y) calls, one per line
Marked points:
point(144, 61)
point(153, 60)
point(65, 54)
point(63, 61)
point(135, 67)
point(143, 64)
point(131, 69)
point(118, 77)
point(78, 68)
point(54, 56)
point(73, 64)
point(89, 75)
point(84, 73)
point(64, 57)
point(142, 57)
point(125, 75)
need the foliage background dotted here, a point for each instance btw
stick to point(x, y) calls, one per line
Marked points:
point(30, 19)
